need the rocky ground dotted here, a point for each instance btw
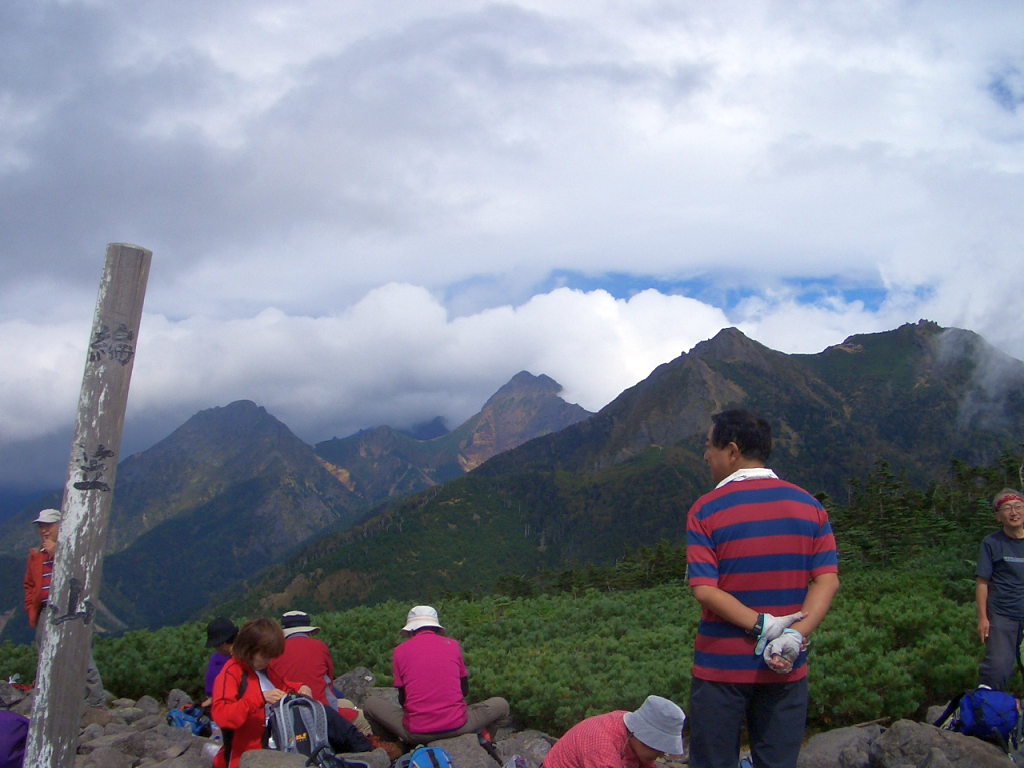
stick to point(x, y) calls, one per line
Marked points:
point(135, 734)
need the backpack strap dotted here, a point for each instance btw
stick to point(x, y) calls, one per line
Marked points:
point(228, 734)
point(953, 705)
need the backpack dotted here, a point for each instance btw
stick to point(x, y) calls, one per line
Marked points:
point(426, 757)
point(191, 718)
point(299, 725)
point(986, 714)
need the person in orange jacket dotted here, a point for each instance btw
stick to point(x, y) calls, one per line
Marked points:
point(244, 688)
point(38, 572)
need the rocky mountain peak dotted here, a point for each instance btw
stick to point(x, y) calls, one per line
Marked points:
point(731, 345)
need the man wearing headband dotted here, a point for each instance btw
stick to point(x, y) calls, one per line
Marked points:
point(1000, 590)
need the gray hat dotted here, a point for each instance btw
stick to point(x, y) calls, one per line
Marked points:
point(48, 516)
point(658, 724)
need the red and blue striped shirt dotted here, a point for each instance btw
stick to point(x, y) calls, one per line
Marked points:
point(762, 541)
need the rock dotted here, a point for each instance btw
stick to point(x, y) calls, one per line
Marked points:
point(532, 746)
point(935, 759)
point(378, 758)
point(825, 749)
point(114, 741)
point(131, 714)
point(9, 695)
point(90, 732)
point(466, 751)
point(174, 750)
point(267, 758)
point(355, 684)
point(112, 728)
point(175, 734)
point(147, 722)
point(149, 705)
point(123, 703)
point(910, 743)
point(107, 757)
point(115, 717)
point(95, 716)
point(192, 758)
point(934, 713)
point(388, 694)
point(24, 707)
point(177, 699)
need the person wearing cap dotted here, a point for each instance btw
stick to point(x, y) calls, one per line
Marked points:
point(761, 561)
point(432, 684)
point(622, 739)
point(999, 590)
point(220, 634)
point(38, 573)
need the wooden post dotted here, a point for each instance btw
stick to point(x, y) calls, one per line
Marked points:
point(88, 494)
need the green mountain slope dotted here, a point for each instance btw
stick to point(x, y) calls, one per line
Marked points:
point(384, 464)
point(915, 396)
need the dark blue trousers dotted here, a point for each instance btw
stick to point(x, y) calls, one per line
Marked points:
point(776, 714)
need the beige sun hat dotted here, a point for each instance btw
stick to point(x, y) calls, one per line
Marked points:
point(421, 616)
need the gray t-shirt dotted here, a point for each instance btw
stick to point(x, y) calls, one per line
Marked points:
point(1001, 561)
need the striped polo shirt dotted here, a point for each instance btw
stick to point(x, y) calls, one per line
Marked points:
point(762, 541)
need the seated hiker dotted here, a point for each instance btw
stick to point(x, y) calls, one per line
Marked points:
point(220, 634)
point(1000, 590)
point(307, 660)
point(244, 688)
point(621, 739)
point(432, 684)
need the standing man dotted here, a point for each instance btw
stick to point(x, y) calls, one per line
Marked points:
point(762, 563)
point(1000, 590)
point(38, 572)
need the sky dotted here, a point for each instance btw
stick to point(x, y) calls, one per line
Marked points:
point(369, 213)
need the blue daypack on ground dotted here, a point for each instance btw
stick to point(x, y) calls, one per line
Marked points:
point(191, 718)
point(986, 714)
point(426, 757)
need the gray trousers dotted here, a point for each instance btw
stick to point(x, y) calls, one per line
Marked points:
point(478, 716)
point(1004, 635)
point(95, 697)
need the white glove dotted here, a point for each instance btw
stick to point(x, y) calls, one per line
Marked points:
point(782, 652)
point(773, 627)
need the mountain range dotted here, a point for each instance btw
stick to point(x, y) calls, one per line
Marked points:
point(233, 490)
point(917, 397)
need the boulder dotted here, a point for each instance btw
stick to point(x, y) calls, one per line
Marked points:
point(24, 707)
point(123, 703)
point(532, 746)
point(192, 758)
point(106, 757)
point(95, 716)
point(112, 728)
point(131, 714)
point(9, 695)
point(149, 705)
point(116, 741)
point(378, 758)
point(909, 743)
point(466, 752)
point(177, 699)
point(147, 722)
point(934, 713)
point(844, 747)
point(388, 694)
point(90, 732)
point(354, 685)
point(267, 758)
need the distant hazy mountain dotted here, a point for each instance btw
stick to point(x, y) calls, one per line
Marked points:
point(917, 396)
point(384, 463)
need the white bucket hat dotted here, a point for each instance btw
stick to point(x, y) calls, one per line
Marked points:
point(421, 616)
point(295, 622)
point(658, 724)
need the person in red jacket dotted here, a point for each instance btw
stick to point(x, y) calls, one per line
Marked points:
point(244, 688)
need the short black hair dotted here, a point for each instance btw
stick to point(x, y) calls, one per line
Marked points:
point(751, 433)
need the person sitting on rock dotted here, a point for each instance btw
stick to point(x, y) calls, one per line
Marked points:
point(432, 683)
point(244, 688)
point(220, 634)
point(308, 660)
point(622, 739)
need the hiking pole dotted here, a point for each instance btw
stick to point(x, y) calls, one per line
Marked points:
point(65, 646)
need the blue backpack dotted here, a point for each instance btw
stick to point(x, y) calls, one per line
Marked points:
point(426, 757)
point(986, 714)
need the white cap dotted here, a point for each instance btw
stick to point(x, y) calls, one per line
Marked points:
point(48, 516)
point(421, 616)
point(658, 724)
